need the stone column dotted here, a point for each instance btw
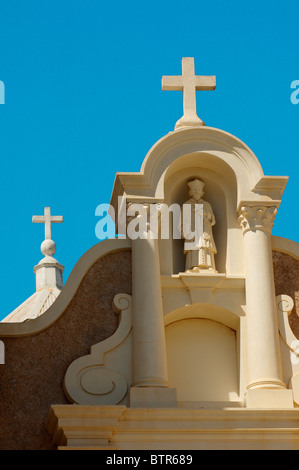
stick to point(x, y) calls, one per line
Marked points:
point(150, 383)
point(263, 349)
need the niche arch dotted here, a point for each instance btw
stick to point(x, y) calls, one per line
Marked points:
point(220, 191)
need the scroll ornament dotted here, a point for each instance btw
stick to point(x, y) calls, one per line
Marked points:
point(95, 379)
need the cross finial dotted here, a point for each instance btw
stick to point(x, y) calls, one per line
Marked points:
point(188, 83)
point(48, 246)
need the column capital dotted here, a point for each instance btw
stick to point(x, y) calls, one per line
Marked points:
point(137, 216)
point(257, 217)
point(146, 216)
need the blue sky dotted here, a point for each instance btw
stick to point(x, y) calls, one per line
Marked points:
point(78, 73)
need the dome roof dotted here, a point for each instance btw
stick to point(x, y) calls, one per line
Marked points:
point(34, 306)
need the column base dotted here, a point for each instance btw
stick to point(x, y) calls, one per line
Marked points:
point(269, 398)
point(153, 397)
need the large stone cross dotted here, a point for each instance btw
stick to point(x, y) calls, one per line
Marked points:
point(188, 83)
point(47, 219)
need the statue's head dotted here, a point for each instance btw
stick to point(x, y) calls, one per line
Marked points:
point(196, 189)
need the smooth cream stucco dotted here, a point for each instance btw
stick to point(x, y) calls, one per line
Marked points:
point(202, 360)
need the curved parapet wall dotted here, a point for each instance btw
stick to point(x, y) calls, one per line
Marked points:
point(285, 254)
point(39, 352)
point(95, 253)
point(286, 246)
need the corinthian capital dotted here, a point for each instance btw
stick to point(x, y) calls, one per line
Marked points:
point(257, 218)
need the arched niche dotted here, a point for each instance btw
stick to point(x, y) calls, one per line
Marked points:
point(210, 141)
point(221, 192)
point(149, 181)
point(236, 171)
point(203, 356)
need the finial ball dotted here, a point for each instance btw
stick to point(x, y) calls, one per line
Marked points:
point(48, 247)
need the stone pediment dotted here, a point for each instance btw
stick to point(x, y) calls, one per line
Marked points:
point(207, 149)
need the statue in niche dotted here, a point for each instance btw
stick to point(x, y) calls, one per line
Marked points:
point(199, 255)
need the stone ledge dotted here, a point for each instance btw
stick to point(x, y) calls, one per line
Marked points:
point(173, 428)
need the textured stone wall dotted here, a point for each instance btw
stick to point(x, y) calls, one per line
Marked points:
point(286, 276)
point(32, 378)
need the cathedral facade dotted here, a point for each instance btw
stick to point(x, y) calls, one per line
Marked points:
point(165, 342)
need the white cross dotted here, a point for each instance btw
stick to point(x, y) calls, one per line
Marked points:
point(188, 83)
point(47, 219)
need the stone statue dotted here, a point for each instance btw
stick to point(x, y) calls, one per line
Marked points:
point(200, 257)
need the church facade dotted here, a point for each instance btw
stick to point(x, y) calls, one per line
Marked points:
point(158, 343)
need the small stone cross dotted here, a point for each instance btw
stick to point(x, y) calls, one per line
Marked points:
point(47, 219)
point(188, 83)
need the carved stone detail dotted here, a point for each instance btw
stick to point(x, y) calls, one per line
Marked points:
point(257, 218)
point(94, 379)
point(200, 257)
point(285, 305)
